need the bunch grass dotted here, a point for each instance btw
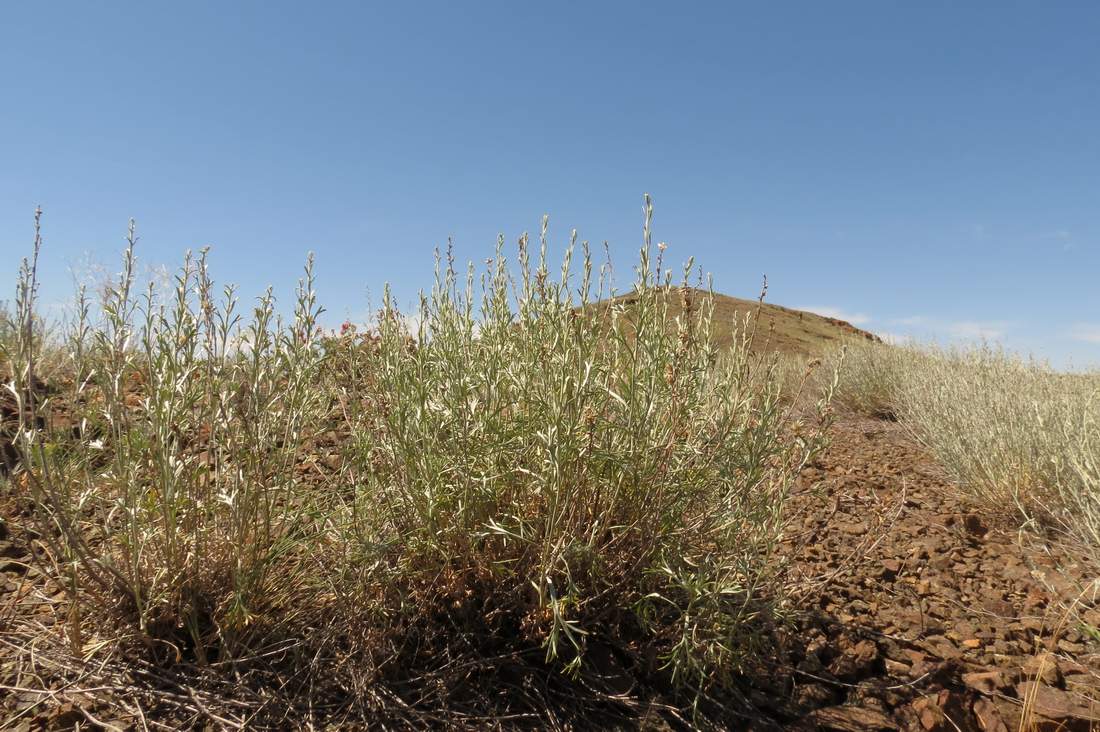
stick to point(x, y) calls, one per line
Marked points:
point(1015, 432)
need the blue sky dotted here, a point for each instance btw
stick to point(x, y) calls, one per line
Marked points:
point(922, 168)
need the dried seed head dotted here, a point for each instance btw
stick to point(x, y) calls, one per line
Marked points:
point(685, 299)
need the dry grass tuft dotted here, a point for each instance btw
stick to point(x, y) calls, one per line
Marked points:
point(1016, 433)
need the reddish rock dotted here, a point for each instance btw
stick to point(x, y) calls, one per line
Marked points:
point(1044, 668)
point(856, 661)
point(1060, 706)
point(811, 696)
point(1069, 667)
point(946, 711)
point(975, 525)
point(850, 719)
point(929, 713)
point(857, 528)
point(987, 682)
point(988, 717)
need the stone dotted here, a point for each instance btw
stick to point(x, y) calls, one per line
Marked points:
point(812, 696)
point(1043, 668)
point(975, 525)
point(1072, 648)
point(1069, 667)
point(897, 668)
point(855, 661)
point(1057, 704)
point(928, 713)
point(989, 718)
point(988, 682)
point(946, 711)
point(850, 719)
point(858, 528)
point(942, 647)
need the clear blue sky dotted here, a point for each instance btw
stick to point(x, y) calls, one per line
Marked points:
point(924, 168)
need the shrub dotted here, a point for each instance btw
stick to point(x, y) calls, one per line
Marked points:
point(179, 497)
point(528, 460)
point(566, 463)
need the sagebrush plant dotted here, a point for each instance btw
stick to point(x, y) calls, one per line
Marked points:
point(569, 461)
point(526, 458)
point(180, 495)
point(1015, 432)
point(7, 327)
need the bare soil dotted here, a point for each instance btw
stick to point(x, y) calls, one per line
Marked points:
point(934, 615)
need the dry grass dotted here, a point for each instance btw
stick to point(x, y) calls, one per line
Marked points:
point(1014, 432)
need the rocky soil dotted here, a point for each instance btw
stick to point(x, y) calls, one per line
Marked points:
point(931, 614)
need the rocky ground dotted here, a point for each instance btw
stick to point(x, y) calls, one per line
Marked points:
point(920, 612)
point(931, 615)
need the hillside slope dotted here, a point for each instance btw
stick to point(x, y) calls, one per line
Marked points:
point(779, 329)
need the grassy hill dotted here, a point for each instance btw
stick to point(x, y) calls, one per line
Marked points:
point(780, 329)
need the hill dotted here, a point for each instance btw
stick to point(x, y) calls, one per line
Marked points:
point(780, 329)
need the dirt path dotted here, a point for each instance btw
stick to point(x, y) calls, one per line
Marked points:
point(933, 617)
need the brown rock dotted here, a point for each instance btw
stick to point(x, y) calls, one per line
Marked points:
point(987, 682)
point(975, 525)
point(989, 719)
point(998, 606)
point(1043, 668)
point(944, 712)
point(858, 528)
point(1069, 667)
point(850, 719)
point(929, 713)
point(943, 647)
point(856, 661)
point(812, 696)
point(1035, 625)
point(914, 656)
point(896, 668)
point(1056, 704)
